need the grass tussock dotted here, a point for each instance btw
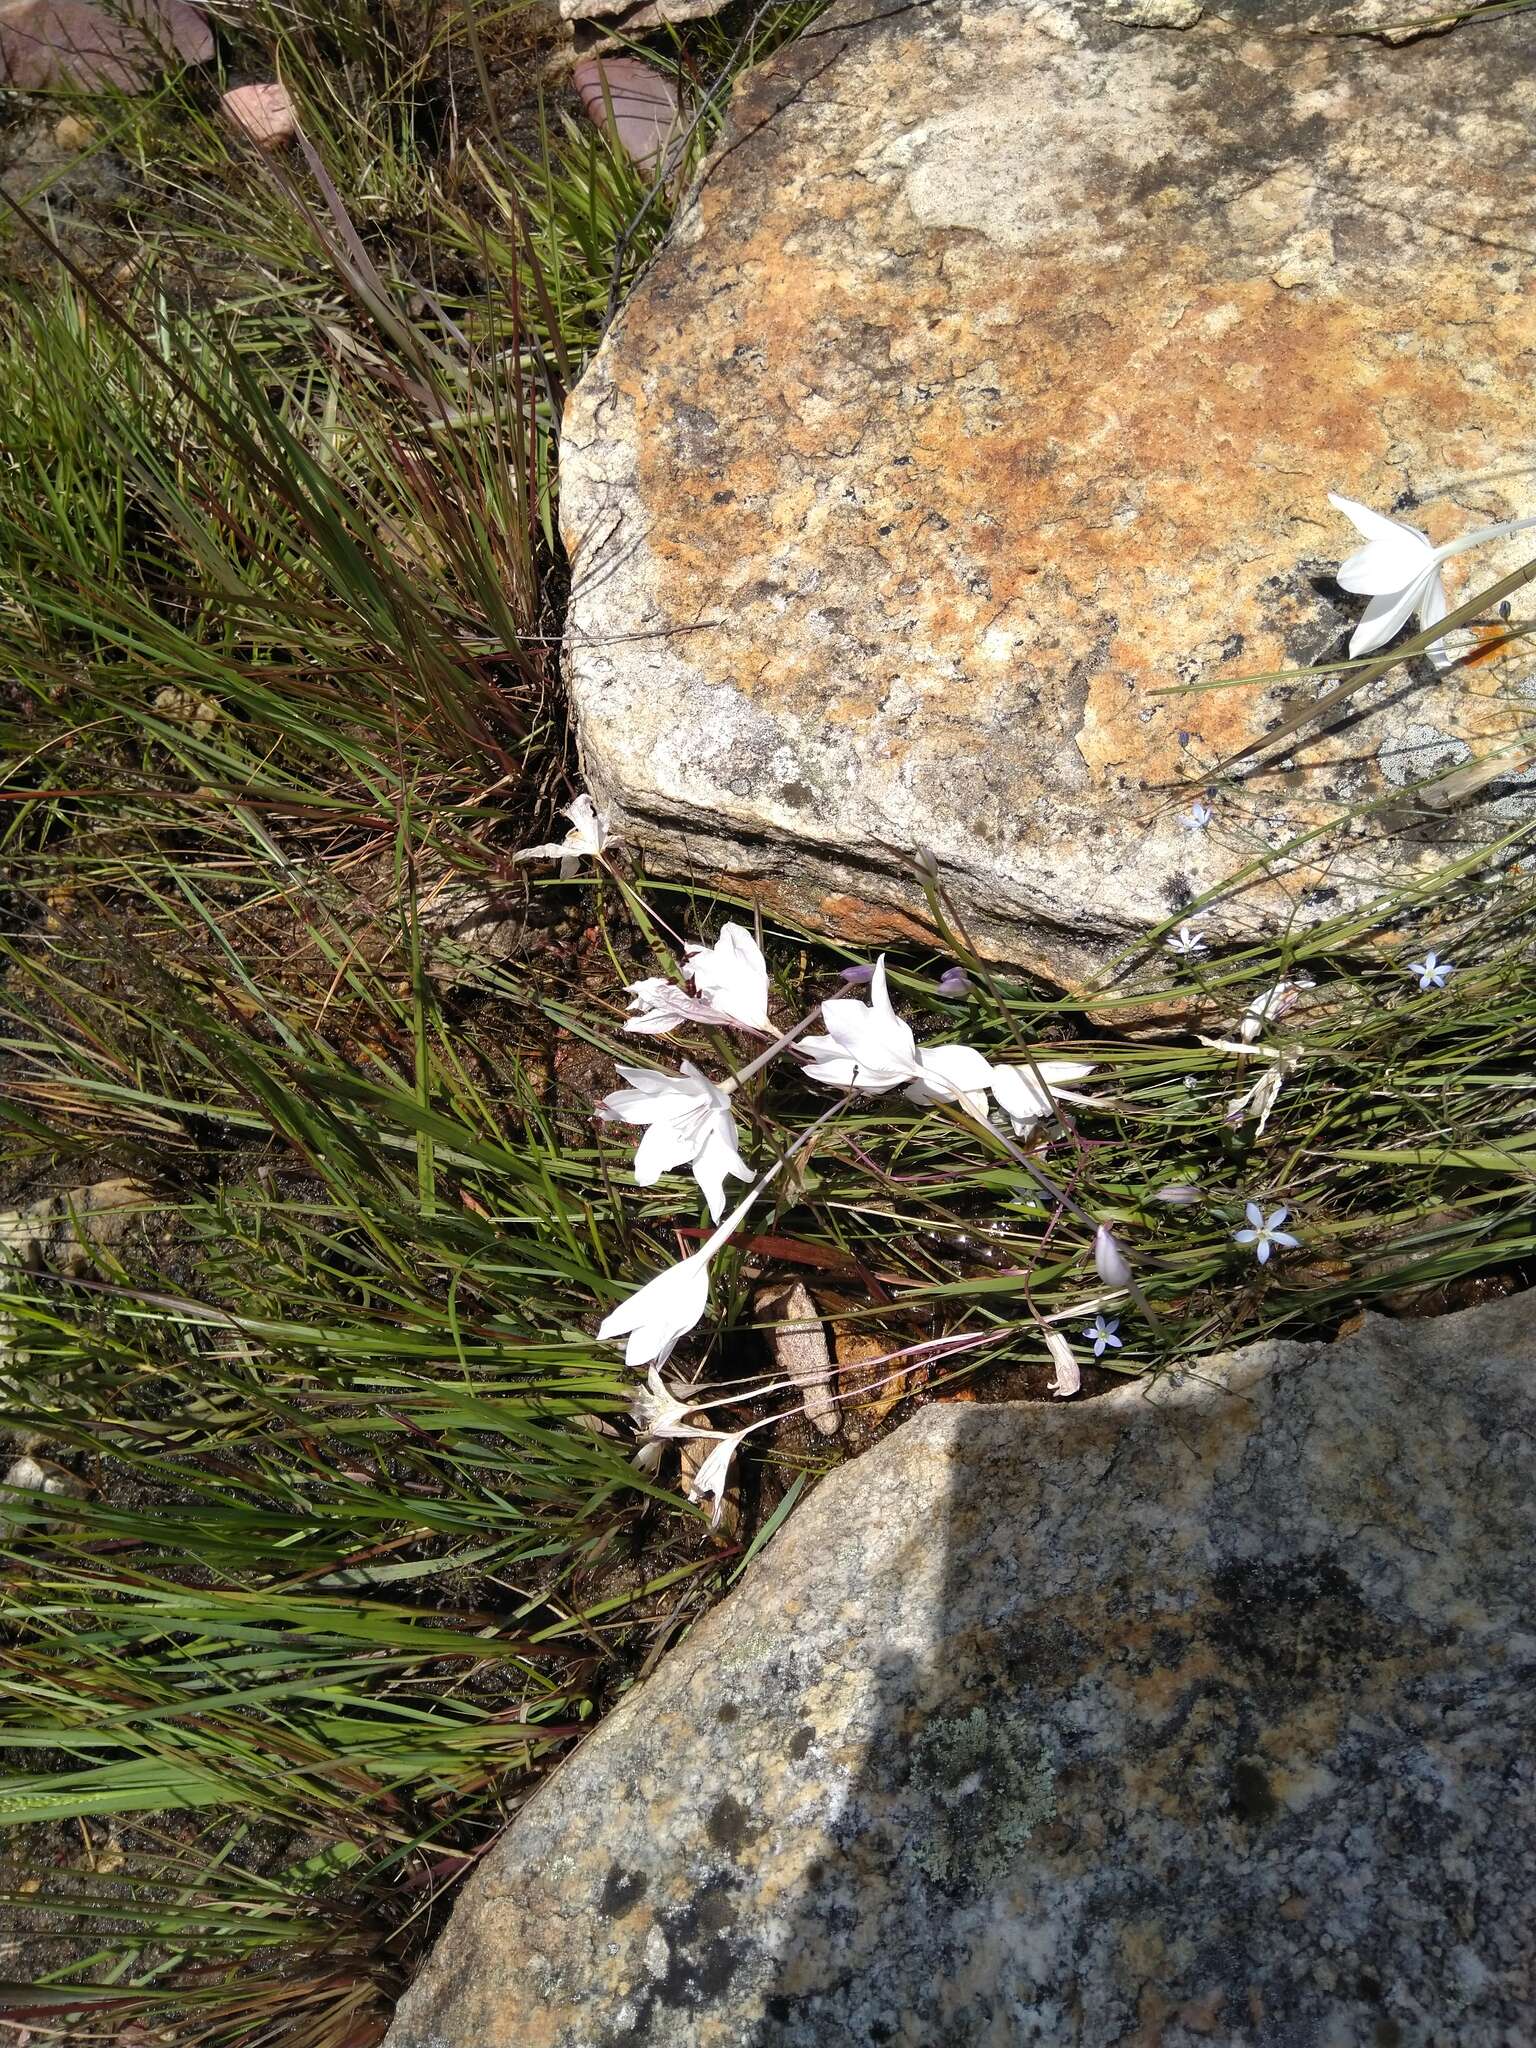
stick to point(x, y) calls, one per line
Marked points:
point(347, 1540)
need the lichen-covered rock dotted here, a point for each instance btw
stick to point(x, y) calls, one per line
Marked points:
point(993, 381)
point(1202, 1712)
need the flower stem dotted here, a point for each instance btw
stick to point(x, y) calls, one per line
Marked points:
point(770, 1052)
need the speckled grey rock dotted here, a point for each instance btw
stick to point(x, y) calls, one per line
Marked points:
point(990, 387)
point(1201, 1713)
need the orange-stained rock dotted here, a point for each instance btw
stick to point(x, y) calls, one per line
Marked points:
point(994, 381)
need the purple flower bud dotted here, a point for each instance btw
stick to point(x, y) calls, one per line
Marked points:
point(1109, 1259)
point(858, 977)
point(1178, 1197)
point(954, 981)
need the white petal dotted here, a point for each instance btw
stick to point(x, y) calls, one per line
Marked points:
point(1254, 1214)
point(1431, 612)
point(661, 1312)
point(1109, 1259)
point(1018, 1090)
point(709, 1482)
point(1394, 557)
point(717, 1157)
point(663, 1147)
point(1384, 617)
point(953, 1073)
point(732, 975)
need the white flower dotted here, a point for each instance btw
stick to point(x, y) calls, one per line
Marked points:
point(1271, 1005)
point(732, 976)
point(1069, 1377)
point(1181, 1195)
point(1431, 970)
point(1027, 1095)
point(662, 1006)
point(1187, 940)
point(709, 1482)
point(662, 1312)
point(1399, 570)
point(952, 1073)
point(1264, 1233)
point(865, 1045)
point(658, 1412)
point(1197, 817)
point(1109, 1259)
point(1101, 1335)
point(1261, 1098)
point(690, 1125)
point(590, 833)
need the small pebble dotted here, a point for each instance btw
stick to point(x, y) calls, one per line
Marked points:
point(264, 114)
point(73, 134)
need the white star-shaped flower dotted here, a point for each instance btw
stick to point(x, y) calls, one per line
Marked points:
point(1186, 941)
point(690, 1124)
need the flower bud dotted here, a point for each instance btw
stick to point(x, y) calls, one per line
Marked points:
point(1109, 1259)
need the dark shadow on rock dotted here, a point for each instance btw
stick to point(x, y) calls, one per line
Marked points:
point(1201, 1713)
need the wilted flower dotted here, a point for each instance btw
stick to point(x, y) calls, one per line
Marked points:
point(1261, 1098)
point(657, 1411)
point(1069, 1376)
point(1111, 1262)
point(1197, 817)
point(662, 1006)
point(1027, 1095)
point(690, 1125)
point(1271, 1005)
point(1179, 1196)
point(1186, 940)
point(710, 1481)
point(732, 976)
point(1264, 1233)
point(590, 834)
point(1101, 1335)
point(1431, 970)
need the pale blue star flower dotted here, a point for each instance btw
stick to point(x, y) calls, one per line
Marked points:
point(1431, 970)
point(1197, 817)
point(1101, 1335)
point(1263, 1233)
